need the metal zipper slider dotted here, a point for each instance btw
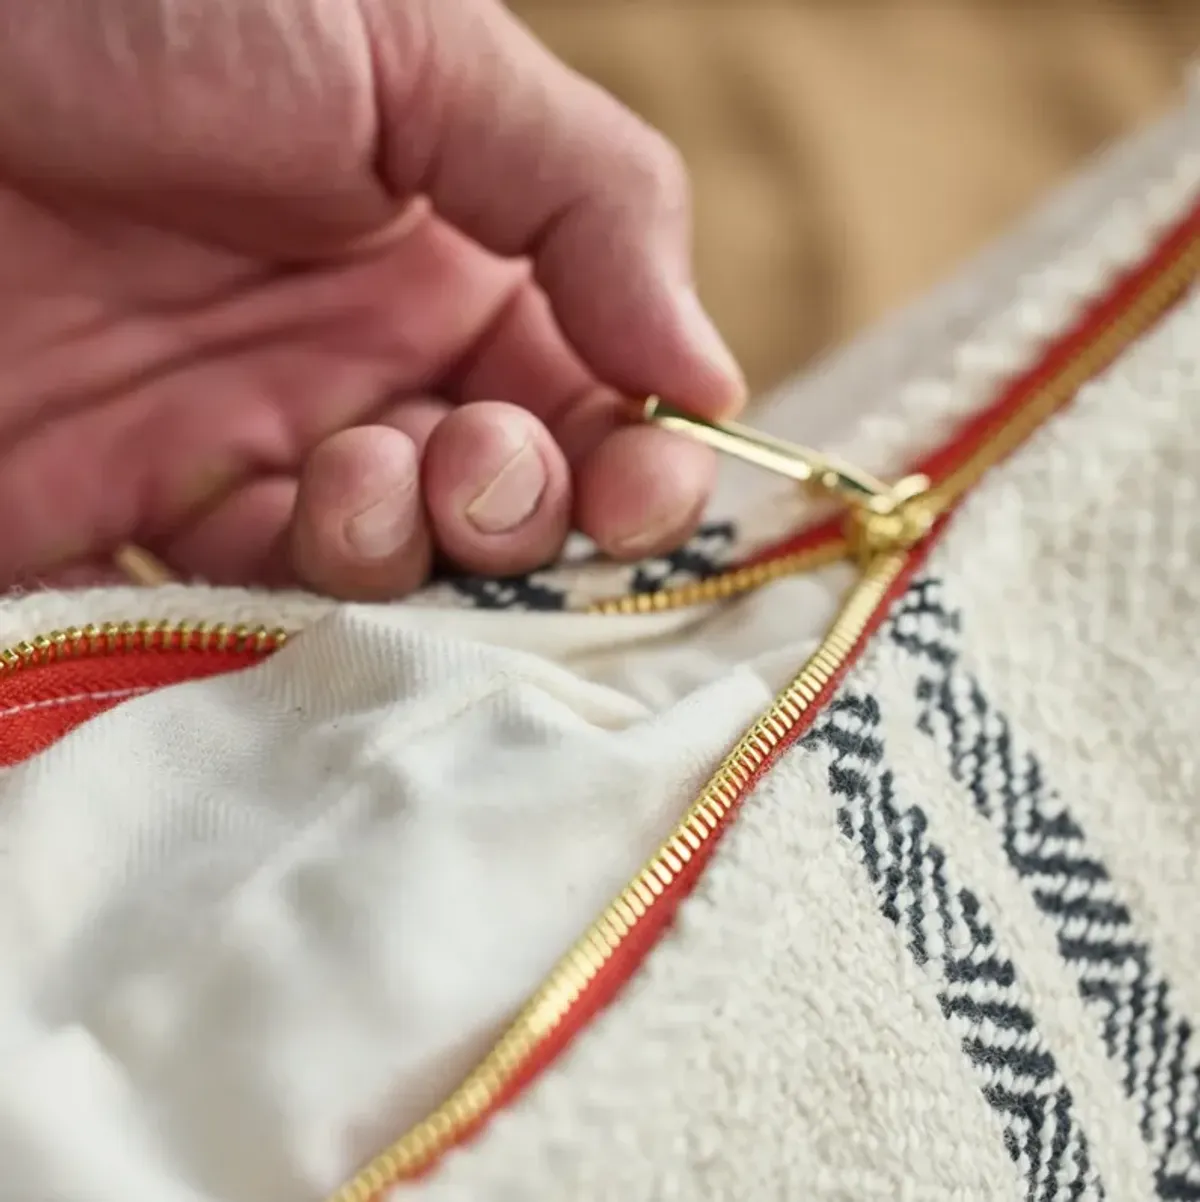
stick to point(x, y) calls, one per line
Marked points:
point(882, 517)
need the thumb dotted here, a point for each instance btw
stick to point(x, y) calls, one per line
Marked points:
point(530, 159)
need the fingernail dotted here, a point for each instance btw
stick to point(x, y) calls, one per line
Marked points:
point(380, 530)
point(511, 495)
point(707, 341)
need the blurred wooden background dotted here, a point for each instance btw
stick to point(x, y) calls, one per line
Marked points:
point(848, 154)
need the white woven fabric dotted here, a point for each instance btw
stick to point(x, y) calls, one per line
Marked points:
point(964, 913)
point(252, 927)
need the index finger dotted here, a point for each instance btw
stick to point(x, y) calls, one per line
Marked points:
point(530, 159)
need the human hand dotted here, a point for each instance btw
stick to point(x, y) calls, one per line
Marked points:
point(317, 292)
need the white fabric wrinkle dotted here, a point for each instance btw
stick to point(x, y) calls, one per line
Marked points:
point(278, 916)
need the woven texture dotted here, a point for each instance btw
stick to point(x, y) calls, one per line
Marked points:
point(950, 949)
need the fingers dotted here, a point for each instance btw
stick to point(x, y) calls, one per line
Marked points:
point(497, 489)
point(268, 531)
point(491, 493)
point(359, 529)
point(240, 540)
point(638, 491)
point(484, 485)
point(642, 491)
point(532, 160)
point(491, 490)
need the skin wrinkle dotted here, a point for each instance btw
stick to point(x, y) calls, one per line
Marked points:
point(418, 95)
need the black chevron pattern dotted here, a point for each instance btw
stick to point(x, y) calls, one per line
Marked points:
point(549, 590)
point(705, 554)
point(1153, 1047)
point(948, 935)
point(533, 592)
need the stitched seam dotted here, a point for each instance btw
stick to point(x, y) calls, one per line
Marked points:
point(73, 699)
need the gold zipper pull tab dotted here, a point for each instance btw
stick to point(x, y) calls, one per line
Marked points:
point(882, 516)
point(802, 464)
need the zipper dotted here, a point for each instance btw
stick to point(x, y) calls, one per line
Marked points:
point(888, 529)
point(1096, 341)
point(52, 683)
point(587, 977)
point(117, 638)
point(879, 517)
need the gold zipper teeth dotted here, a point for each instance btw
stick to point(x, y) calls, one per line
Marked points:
point(81, 642)
point(725, 586)
point(416, 1149)
point(1101, 352)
